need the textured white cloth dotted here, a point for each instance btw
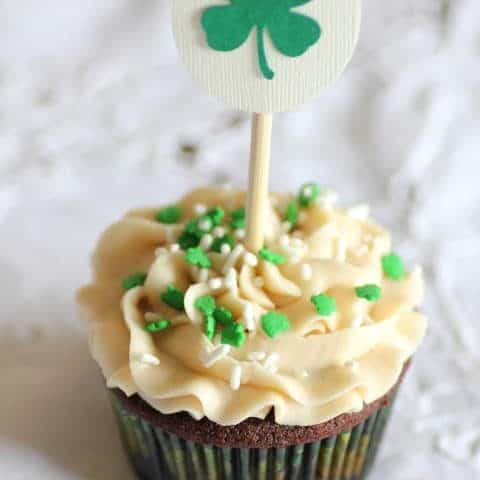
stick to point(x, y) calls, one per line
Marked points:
point(97, 116)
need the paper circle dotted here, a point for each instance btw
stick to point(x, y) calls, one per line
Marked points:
point(235, 77)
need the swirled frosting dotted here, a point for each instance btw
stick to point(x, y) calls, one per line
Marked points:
point(321, 367)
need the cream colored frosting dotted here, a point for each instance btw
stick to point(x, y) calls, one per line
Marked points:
point(319, 369)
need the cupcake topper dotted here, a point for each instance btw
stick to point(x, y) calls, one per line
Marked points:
point(265, 56)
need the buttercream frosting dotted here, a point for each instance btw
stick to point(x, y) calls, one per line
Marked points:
point(321, 367)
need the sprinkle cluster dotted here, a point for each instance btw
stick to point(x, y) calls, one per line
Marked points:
point(213, 233)
point(233, 333)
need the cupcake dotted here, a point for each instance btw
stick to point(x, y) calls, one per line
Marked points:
point(223, 363)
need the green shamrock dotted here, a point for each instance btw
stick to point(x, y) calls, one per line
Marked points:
point(228, 27)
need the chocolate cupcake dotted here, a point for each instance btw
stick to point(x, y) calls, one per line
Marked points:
point(225, 363)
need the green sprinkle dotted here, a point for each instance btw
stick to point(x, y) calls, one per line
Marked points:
point(291, 214)
point(308, 194)
point(199, 226)
point(274, 323)
point(238, 218)
point(192, 227)
point(234, 335)
point(206, 304)
point(369, 292)
point(188, 240)
point(196, 228)
point(223, 316)
point(216, 215)
point(169, 215)
point(135, 280)
point(219, 241)
point(272, 257)
point(173, 297)
point(158, 326)
point(393, 267)
point(204, 224)
point(197, 256)
point(210, 326)
point(324, 304)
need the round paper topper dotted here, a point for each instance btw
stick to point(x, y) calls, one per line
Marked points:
point(266, 55)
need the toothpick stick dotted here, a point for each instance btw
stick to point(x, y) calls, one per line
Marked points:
point(258, 179)
point(308, 51)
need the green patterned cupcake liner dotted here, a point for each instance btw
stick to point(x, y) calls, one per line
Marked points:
point(156, 454)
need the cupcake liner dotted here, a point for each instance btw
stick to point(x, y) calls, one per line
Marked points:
point(156, 454)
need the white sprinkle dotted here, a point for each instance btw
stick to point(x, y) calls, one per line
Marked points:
point(249, 317)
point(295, 248)
point(360, 212)
point(286, 226)
point(292, 250)
point(273, 368)
point(357, 321)
point(341, 249)
point(233, 257)
point(151, 316)
point(352, 365)
point(240, 233)
point(236, 377)
point(284, 240)
point(417, 272)
point(219, 231)
point(256, 356)
point(215, 283)
point(170, 235)
point(302, 373)
point(160, 251)
point(210, 358)
point(147, 359)
point(296, 242)
point(225, 249)
point(360, 250)
point(330, 322)
point(307, 191)
point(250, 259)
point(174, 247)
point(327, 198)
point(200, 209)
point(270, 362)
point(368, 320)
point(203, 275)
point(205, 224)
point(231, 281)
point(206, 241)
point(375, 243)
point(259, 282)
point(306, 272)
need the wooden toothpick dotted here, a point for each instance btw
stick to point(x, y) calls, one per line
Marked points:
point(257, 196)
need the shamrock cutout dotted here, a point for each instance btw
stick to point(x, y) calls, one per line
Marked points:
point(228, 27)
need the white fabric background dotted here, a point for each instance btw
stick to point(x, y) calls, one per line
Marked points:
point(97, 116)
